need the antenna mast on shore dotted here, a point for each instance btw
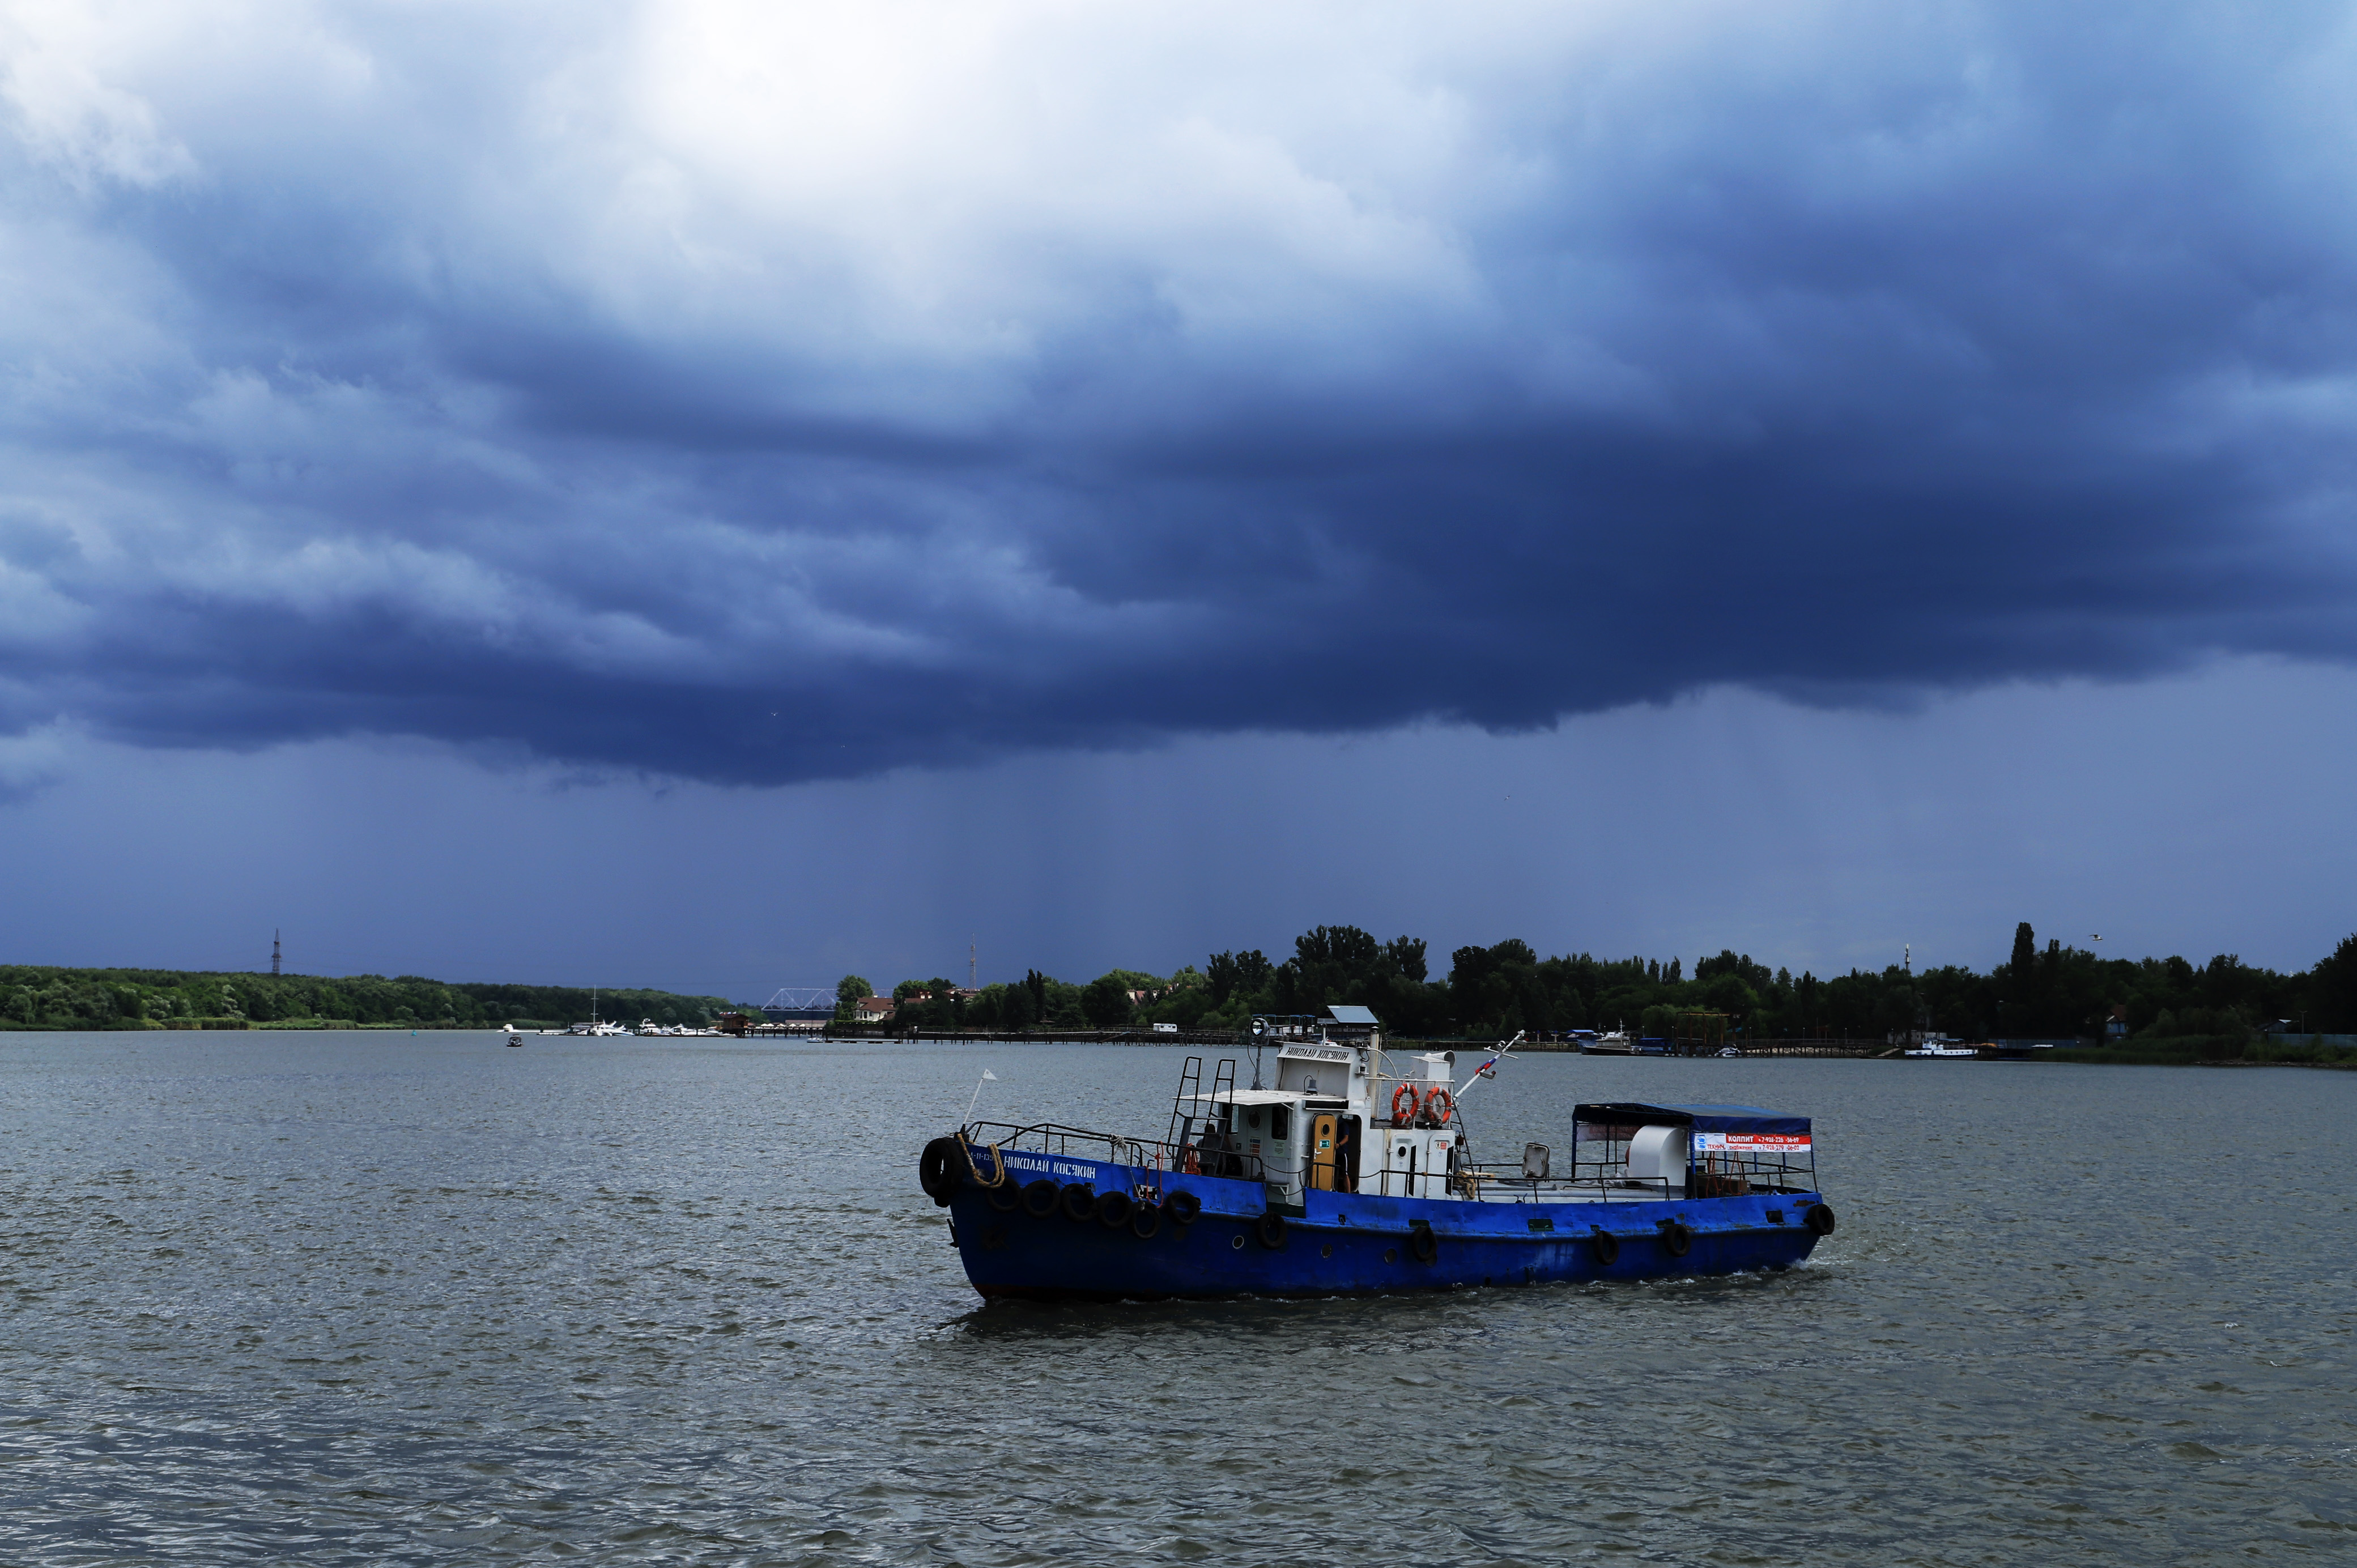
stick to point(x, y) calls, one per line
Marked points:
point(971, 949)
point(274, 952)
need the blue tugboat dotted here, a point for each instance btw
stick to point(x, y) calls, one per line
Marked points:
point(1353, 1174)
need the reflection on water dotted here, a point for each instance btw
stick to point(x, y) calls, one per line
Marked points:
point(348, 1298)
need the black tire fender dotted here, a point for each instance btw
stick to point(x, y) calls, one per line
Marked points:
point(1820, 1218)
point(1080, 1201)
point(1270, 1230)
point(1608, 1247)
point(1677, 1239)
point(1422, 1244)
point(1113, 1210)
point(1040, 1198)
point(937, 1170)
point(1006, 1197)
point(1145, 1220)
point(1185, 1207)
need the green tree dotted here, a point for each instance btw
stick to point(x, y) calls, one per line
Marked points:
point(1234, 974)
point(2331, 1003)
point(1064, 1010)
point(1106, 1003)
point(1497, 990)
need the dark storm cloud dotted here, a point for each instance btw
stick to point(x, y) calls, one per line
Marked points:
point(758, 398)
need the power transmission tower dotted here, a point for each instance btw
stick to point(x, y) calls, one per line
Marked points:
point(274, 952)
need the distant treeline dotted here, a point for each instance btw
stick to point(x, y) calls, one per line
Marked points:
point(2042, 992)
point(34, 996)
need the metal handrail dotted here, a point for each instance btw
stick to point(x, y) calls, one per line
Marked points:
point(1141, 1153)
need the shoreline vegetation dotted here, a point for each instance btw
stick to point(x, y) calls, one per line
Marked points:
point(48, 998)
point(2157, 1011)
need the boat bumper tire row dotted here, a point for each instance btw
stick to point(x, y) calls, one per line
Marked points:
point(1820, 1218)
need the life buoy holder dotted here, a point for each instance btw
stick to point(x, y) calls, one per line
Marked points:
point(1403, 1104)
point(1445, 1100)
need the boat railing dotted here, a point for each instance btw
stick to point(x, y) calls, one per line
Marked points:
point(1214, 1155)
point(1714, 1175)
point(1506, 1182)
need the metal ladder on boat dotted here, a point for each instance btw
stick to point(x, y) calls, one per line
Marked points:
point(1191, 1087)
point(1191, 1079)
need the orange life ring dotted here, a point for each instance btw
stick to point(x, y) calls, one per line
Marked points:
point(1446, 1100)
point(1405, 1091)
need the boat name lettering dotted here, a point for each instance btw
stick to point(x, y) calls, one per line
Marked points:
point(1048, 1168)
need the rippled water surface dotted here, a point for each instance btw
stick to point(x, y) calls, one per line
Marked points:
point(377, 1298)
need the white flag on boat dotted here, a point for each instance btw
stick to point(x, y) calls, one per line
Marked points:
point(988, 1077)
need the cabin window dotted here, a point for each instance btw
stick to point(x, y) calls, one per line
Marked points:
point(1252, 1119)
point(1280, 1123)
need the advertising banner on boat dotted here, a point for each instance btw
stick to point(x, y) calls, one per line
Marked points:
point(1751, 1143)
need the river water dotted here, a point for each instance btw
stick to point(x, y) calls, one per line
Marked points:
point(348, 1298)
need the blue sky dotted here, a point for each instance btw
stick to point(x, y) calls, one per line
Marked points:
point(715, 496)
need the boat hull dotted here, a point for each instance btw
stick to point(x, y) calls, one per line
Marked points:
point(1346, 1243)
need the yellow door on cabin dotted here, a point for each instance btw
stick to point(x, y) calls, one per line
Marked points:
point(1321, 1152)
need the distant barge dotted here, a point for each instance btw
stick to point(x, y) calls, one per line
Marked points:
point(1354, 1174)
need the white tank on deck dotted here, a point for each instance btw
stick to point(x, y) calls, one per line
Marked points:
point(1659, 1155)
